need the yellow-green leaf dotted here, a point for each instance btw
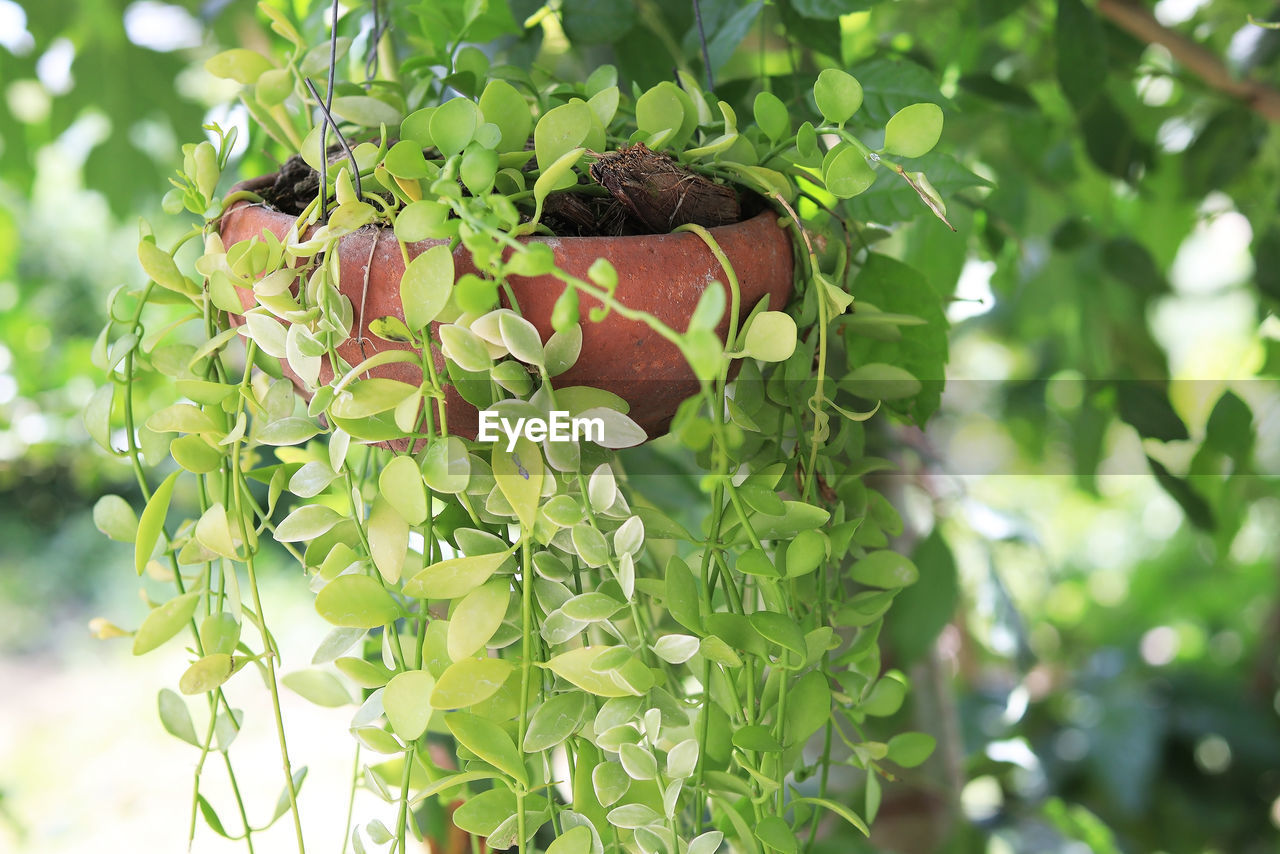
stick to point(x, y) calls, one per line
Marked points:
point(453, 578)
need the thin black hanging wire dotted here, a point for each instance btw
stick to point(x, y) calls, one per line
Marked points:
point(326, 106)
point(702, 39)
point(380, 27)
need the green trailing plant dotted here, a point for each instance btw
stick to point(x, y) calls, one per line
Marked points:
point(612, 671)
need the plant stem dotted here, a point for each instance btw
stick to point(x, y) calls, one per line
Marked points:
point(272, 653)
point(402, 819)
point(526, 666)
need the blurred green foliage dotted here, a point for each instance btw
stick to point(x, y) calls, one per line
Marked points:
point(1096, 636)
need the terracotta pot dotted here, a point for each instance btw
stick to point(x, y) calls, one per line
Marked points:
point(663, 274)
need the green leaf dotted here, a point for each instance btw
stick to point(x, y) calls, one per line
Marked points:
point(164, 622)
point(682, 595)
point(482, 814)
point(405, 160)
point(445, 465)
point(885, 698)
point(631, 816)
point(619, 431)
point(356, 601)
point(780, 629)
point(238, 64)
point(335, 643)
point(453, 125)
point(287, 431)
point(880, 381)
point(837, 94)
point(559, 132)
point(664, 108)
point(846, 172)
point(590, 545)
point(366, 111)
point(366, 674)
point(575, 840)
point(465, 348)
point(151, 523)
point(1146, 407)
point(182, 418)
point(772, 116)
point(488, 741)
point(469, 681)
point(1082, 53)
point(1229, 429)
point(777, 834)
point(421, 220)
point(682, 759)
point(565, 345)
point(209, 672)
point(425, 287)
point(213, 531)
point(576, 666)
point(710, 309)
point(407, 703)
point(113, 516)
point(921, 350)
point(910, 749)
point(555, 720)
point(806, 553)
point(724, 40)
point(830, 10)
point(591, 607)
point(454, 578)
point(558, 175)
point(521, 338)
point(319, 686)
point(885, 569)
point(388, 538)
point(675, 649)
point(450, 781)
point(479, 168)
point(176, 718)
point(519, 476)
point(808, 708)
point(598, 21)
point(837, 808)
point(502, 104)
point(1198, 510)
point(306, 523)
point(220, 632)
point(401, 484)
point(610, 782)
point(914, 130)
point(757, 738)
point(922, 610)
point(638, 762)
point(476, 618)
point(707, 843)
point(771, 337)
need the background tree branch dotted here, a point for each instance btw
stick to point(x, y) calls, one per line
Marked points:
point(1139, 22)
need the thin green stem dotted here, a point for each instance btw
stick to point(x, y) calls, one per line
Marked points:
point(526, 666)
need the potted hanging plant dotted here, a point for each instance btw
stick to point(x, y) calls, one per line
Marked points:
point(410, 358)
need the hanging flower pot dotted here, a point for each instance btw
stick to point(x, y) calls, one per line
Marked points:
point(663, 275)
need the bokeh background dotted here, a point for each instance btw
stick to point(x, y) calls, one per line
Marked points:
point(1095, 509)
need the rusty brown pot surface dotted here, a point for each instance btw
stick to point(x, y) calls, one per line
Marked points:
point(662, 274)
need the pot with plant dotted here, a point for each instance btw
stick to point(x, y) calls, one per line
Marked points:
point(607, 669)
